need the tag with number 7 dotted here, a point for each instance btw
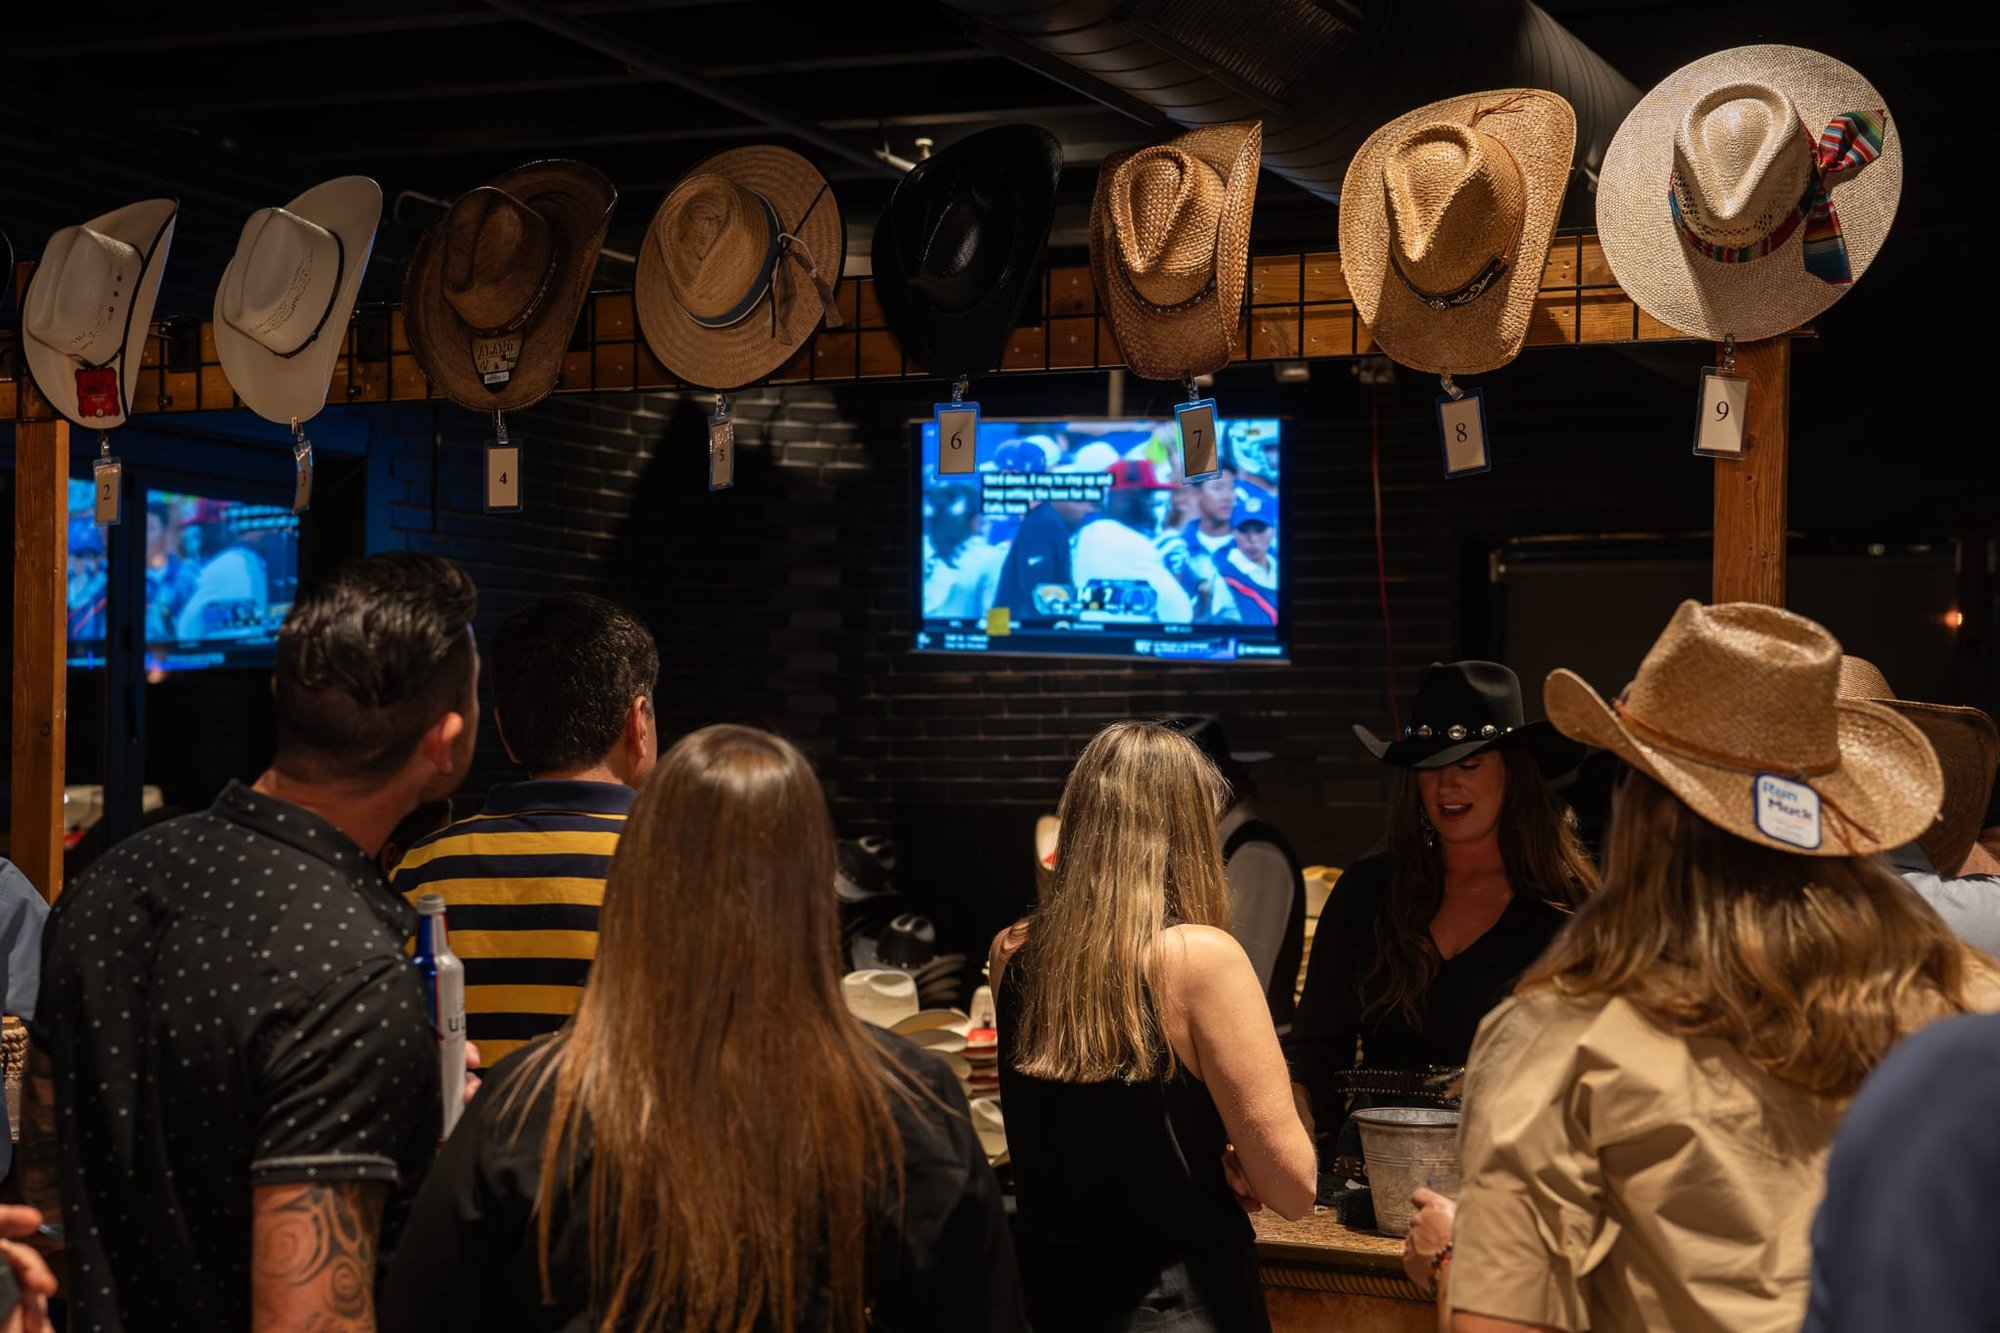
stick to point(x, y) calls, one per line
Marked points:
point(1718, 423)
point(1200, 459)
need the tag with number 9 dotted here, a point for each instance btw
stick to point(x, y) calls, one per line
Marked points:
point(958, 438)
point(1718, 424)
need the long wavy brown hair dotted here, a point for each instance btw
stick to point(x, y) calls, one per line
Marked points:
point(1538, 848)
point(1138, 852)
point(738, 1119)
point(1811, 966)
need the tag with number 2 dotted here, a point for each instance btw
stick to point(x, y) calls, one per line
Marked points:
point(1718, 423)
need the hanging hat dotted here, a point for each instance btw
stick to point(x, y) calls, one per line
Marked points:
point(1465, 707)
point(1732, 693)
point(6, 273)
point(956, 251)
point(882, 996)
point(1747, 191)
point(1445, 220)
point(494, 288)
point(88, 308)
point(1967, 746)
point(1170, 247)
point(282, 309)
point(739, 266)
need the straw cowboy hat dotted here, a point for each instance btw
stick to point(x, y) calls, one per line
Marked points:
point(1967, 746)
point(1445, 221)
point(1465, 707)
point(956, 251)
point(1734, 693)
point(282, 308)
point(1747, 192)
point(1170, 247)
point(882, 996)
point(739, 265)
point(88, 307)
point(493, 290)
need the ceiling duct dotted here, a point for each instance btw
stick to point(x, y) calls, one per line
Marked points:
point(1321, 74)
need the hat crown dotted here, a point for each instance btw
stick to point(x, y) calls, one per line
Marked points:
point(1166, 207)
point(1468, 694)
point(283, 280)
point(1456, 201)
point(497, 255)
point(88, 282)
point(966, 243)
point(1741, 163)
point(716, 238)
point(1862, 679)
point(1751, 682)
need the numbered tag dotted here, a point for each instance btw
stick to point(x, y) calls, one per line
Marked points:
point(1462, 433)
point(108, 496)
point(958, 438)
point(1196, 420)
point(503, 477)
point(721, 453)
point(1718, 425)
point(302, 476)
point(1787, 811)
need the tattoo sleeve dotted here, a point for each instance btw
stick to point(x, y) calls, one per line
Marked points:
point(313, 1257)
point(40, 1160)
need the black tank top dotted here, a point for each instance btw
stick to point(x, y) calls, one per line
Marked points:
point(1114, 1165)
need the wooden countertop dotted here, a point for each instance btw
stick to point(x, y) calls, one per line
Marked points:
point(1318, 1239)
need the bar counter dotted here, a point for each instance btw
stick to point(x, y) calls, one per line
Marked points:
point(1321, 1275)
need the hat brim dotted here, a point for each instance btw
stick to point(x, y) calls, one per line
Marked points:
point(1539, 129)
point(755, 346)
point(1876, 792)
point(1554, 753)
point(280, 388)
point(148, 227)
point(1703, 297)
point(576, 200)
point(1196, 338)
point(949, 343)
point(1967, 746)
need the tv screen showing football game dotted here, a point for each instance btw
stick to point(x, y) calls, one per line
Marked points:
point(1083, 538)
point(220, 576)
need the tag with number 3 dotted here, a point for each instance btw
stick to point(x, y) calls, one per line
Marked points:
point(1718, 424)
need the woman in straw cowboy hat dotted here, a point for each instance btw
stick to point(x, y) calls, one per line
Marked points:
point(1138, 1064)
point(1647, 1120)
point(713, 1144)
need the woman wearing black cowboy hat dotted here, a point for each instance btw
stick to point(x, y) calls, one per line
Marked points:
point(1476, 873)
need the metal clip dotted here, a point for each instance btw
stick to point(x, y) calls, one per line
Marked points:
point(1187, 387)
point(958, 389)
point(1729, 354)
point(721, 412)
point(103, 444)
point(499, 428)
point(298, 432)
point(1450, 385)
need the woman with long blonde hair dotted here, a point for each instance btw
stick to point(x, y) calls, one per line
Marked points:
point(1147, 1102)
point(1647, 1120)
point(713, 1145)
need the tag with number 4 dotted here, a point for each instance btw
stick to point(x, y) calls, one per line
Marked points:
point(1718, 423)
point(503, 477)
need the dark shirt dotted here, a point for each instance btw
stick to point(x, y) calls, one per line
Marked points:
point(1039, 554)
point(1903, 1239)
point(227, 1003)
point(470, 1256)
point(1333, 1010)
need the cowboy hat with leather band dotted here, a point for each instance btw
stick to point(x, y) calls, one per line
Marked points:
point(1463, 708)
point(957, 249)
point(493, 290)
point(282, 309)
point(1747, 192)
point(89, 306)
point(1170, 247)
point(1446, 216)
point(738, 267)
point(1967, 746)
point(1735, 693)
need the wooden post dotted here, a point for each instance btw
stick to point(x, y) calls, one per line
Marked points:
point(41, 632)
point(1750, 492)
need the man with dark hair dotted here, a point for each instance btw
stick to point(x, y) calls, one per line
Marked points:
point(573, 680)
point(229, 1035)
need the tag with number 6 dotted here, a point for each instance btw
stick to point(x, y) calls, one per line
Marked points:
point(1718, 423)
point(958, 438)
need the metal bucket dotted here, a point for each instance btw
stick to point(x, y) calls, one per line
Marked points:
point(1404, 1147)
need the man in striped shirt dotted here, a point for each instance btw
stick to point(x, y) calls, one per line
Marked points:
point(573, 679)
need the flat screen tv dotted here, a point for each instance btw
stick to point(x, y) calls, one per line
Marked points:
point(1080, 538)
point(220, 576)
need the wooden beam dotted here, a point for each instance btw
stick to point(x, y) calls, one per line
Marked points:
point(41, 625)
point(1751, 491)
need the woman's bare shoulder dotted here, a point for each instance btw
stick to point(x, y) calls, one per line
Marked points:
point(1005, 945)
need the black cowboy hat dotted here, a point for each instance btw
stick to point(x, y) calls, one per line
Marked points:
point(956, 250)
point(1463, 708)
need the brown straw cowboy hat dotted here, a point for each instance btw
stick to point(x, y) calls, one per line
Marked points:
point(493, 290)
point(1967, 746)
point(1445, 221)
point(1747, 192)
point(1170, 247)
point(1735, 693)
point(739, 265)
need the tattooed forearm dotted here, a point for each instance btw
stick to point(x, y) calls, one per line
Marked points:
point(313, 1256)
point(39, 1159)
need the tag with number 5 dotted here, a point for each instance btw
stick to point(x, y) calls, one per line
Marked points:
point(958, 438)
point(1718, 423)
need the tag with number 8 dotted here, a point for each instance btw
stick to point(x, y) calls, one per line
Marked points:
point(1462, 433)
point(1718, 423)
point(958, 438)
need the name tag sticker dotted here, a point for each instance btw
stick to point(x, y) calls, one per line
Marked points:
point(958, 438)
point(1718, 423)
point(1462, 433)
point(1787, 811)
point(503, 477)
point(1199, 459)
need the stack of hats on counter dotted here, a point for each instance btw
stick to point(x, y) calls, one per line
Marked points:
point(966, 1043)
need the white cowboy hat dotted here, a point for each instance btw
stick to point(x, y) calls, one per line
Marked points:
point(882, 996)
point(1746, 193)
point(89, 306)
point(282, 309)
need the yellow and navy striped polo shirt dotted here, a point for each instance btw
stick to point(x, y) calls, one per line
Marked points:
point(522, 881)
